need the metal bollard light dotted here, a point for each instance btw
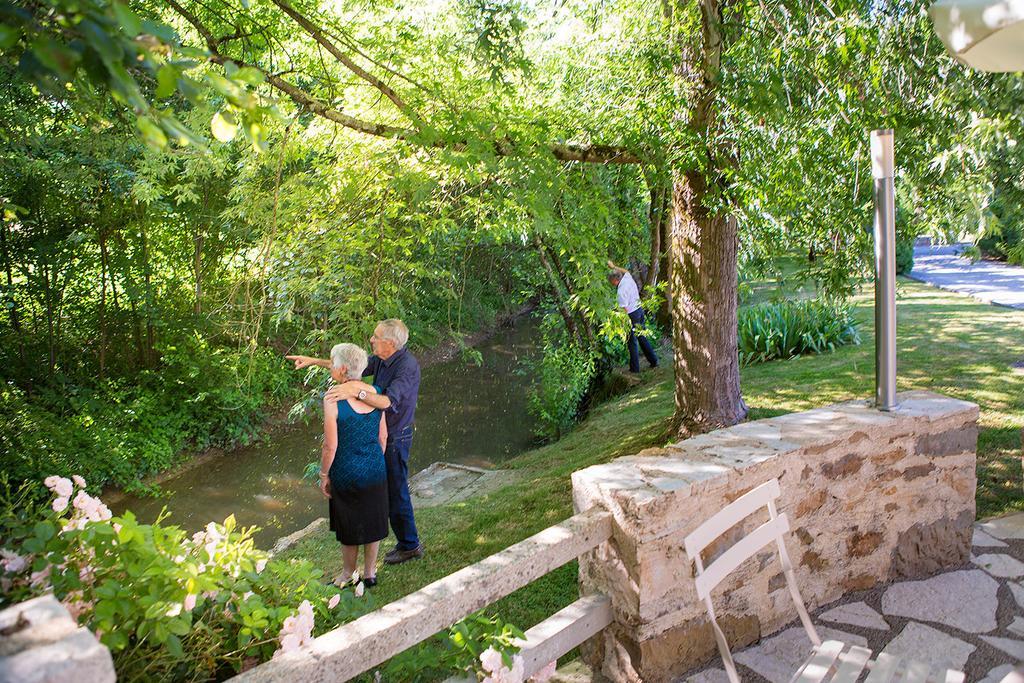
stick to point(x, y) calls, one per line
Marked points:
point(882, 169)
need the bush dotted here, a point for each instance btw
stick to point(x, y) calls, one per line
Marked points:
point(169, 607)
point(116, 432)
point(478, 646)
point(904, 255)
point(564, 376)
point(1003, 241)
point(792, 328)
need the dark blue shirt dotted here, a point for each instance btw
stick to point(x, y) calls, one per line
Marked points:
point(398, 378)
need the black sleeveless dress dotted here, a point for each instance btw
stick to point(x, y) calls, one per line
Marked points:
point(359, 480)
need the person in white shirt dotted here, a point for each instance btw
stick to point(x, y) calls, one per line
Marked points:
point(628, 298)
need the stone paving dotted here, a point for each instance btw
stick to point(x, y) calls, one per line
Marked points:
point(989, 281)
point(970, 618)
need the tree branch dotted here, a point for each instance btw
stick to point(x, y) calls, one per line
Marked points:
point(564, 151)
point(319, 37)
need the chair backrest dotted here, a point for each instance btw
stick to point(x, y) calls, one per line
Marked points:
point(775, 529)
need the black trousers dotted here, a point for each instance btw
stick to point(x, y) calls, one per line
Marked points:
point(636, 318)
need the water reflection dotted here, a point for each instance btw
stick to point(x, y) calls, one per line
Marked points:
point(466, 414)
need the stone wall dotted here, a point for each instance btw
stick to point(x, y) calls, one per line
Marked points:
point(870, 496)
point(41, 643)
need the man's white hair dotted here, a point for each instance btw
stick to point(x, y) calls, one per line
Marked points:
point(394, 330)
point(350, 357)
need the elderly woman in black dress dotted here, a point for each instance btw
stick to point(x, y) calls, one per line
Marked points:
point(353, 475)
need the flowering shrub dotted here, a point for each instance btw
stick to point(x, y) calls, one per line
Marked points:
point(482, 648)
point(169, 606)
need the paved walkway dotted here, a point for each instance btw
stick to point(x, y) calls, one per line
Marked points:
point(970, 619)
point(992, 282)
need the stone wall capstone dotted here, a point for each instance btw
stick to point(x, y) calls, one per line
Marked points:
point(41, 643)
point(871, 496)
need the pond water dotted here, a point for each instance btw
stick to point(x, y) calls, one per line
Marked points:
point(468, 414)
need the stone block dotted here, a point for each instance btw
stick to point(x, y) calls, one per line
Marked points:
point(43, 644)
point(870, 496)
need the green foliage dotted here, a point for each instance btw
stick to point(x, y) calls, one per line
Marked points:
point(904, 255)
point(79, 44)
point(789, 329)
point(562, 379)
point(116, 432)
point(1003, 240)
point(455, 652)
point(169, 607)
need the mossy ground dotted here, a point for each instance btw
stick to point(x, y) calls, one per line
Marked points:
point(948, 343)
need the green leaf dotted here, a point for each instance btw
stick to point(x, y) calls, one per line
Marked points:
point(224, 126)
point(174, 646)
point(115, 640)
point(167, 81)
point(56, 57)
point(8, 36)
point(250, 75)
point(130, 23)
point(258, 136)
point(109, 50)
point(178, 626)
point(159, 30)
point(44, 530)
point(154, 137)
point(105, 609)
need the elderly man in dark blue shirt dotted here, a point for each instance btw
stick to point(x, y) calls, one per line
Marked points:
point(395, 389)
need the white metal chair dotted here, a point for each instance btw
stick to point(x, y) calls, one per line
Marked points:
point(831, 660)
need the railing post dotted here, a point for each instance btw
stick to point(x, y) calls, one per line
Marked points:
point(882, 169)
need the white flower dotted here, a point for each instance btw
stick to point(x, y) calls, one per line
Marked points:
point(12, 562)
point(190, 602)
point(60, 486)
point(175, 610)
point(360, 589)
point(86, 574)
point(333, 602)
point(60, 504)
point(499, 673)
point(260, 565)
point(490, 659)
point(296, 631)
point(41, 577)
point(78, 481)
point(544, 674)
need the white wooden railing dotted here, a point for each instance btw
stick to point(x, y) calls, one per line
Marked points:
point(360, 645)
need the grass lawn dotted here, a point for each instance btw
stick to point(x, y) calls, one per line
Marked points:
point(948, 343)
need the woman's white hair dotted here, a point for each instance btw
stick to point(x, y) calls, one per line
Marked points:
point(395, 331)
point(351, 357)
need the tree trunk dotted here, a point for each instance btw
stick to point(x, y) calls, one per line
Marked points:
point(48, 302)
point(556, 291)
point(103, 305)
point(197, 253)
point(703, 265)
point(147, 274)
point(197, 263)
point(12, 301)
point(582, 322)
point(660, 190)
point(704, 284)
